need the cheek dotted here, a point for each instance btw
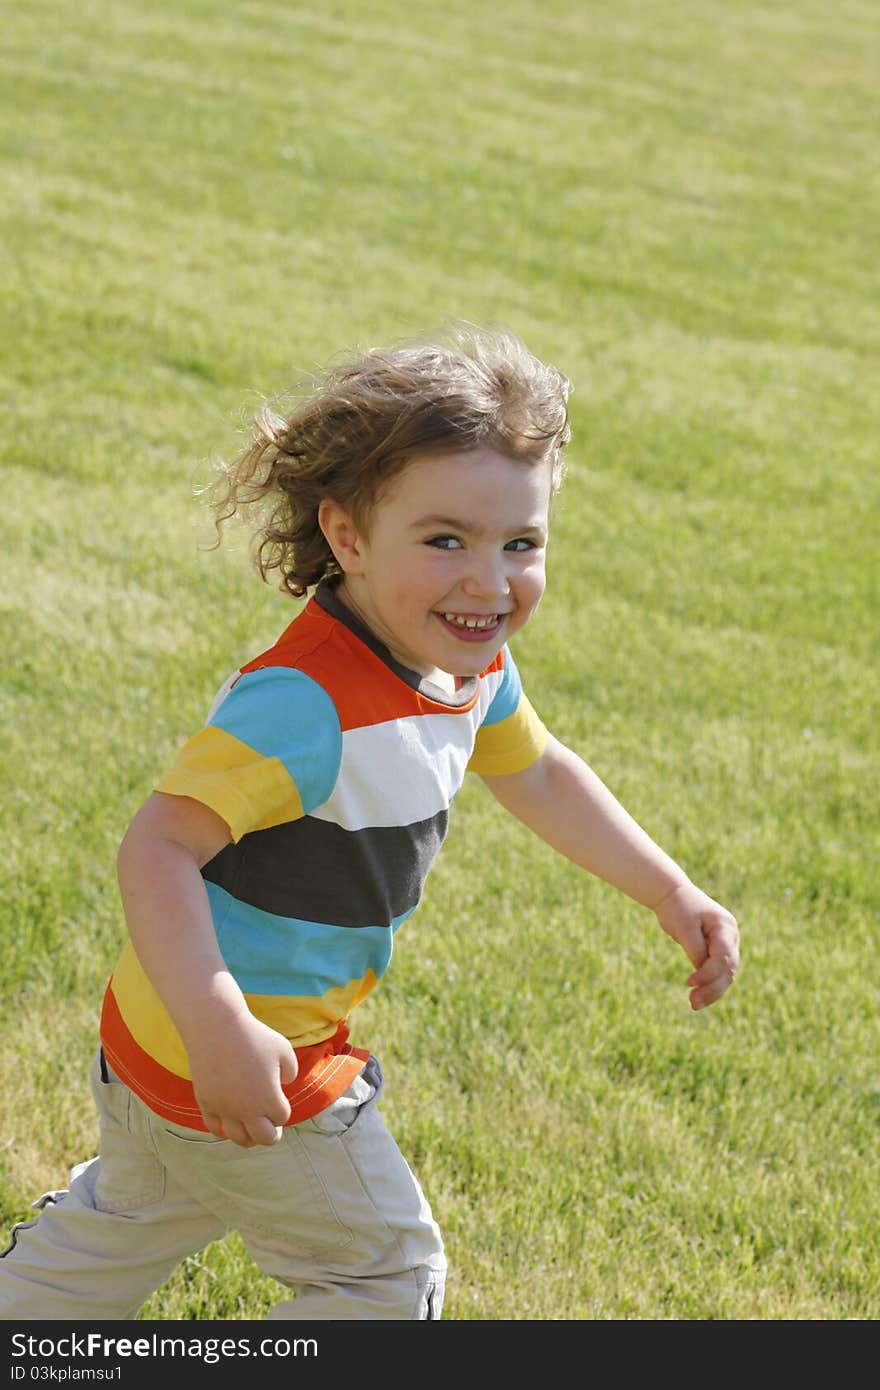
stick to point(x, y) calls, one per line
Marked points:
point(412, 592)
point(535, 581)
point(428, 578)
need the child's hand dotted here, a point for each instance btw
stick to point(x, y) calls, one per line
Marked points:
point(708, 935)
point(237, 1076)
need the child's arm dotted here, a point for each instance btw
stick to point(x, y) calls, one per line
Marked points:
point(563, 801)
point(237, 1062)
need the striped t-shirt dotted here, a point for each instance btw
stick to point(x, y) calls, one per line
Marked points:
point(334, 768)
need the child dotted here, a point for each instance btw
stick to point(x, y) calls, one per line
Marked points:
point(265, 877)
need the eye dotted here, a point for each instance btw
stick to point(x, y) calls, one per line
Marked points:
point(444, 542)
point(521, 543)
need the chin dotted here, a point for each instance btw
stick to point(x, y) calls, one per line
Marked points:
point(477, 662)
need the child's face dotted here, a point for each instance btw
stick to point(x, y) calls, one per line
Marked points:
point(452, 562)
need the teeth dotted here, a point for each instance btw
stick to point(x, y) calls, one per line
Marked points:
point(471, 622)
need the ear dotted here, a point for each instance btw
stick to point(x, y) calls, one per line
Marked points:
point(341, 534)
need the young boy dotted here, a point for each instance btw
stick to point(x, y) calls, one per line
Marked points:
point(265, 877)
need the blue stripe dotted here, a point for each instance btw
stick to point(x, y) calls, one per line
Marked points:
point(507, 697)
point(282, 713)
point(287, 956)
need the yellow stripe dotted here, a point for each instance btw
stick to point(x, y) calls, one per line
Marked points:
point(145, 1015)
point(510, 745)
point(248, 791)
point(310, 1020)
point(302, 1019)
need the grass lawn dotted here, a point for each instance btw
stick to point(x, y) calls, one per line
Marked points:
point(678, 206)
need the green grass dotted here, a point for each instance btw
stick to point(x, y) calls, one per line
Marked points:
point(677, 205)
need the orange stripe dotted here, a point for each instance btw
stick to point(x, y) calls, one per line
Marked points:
point(311, 643)
point(326, 1069)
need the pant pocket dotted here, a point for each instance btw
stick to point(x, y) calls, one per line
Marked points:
point(269, 1190)
point(130, 1175)
point(339, 1117)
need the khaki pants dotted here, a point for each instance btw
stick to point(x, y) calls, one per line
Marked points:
point(332, 1210)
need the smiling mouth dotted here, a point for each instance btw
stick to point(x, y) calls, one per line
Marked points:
point(473, 627)
point(473, 624)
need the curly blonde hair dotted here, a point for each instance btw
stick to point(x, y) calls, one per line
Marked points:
point(372, 414)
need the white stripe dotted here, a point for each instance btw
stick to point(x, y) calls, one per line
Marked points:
point(401, 771)
point(489, 687)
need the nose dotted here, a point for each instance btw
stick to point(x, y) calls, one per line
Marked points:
point(487, 576)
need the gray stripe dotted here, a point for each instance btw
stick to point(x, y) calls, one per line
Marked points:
point(319, 872)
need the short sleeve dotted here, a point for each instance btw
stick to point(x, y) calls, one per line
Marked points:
point(269, 753)
point(511, 736)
